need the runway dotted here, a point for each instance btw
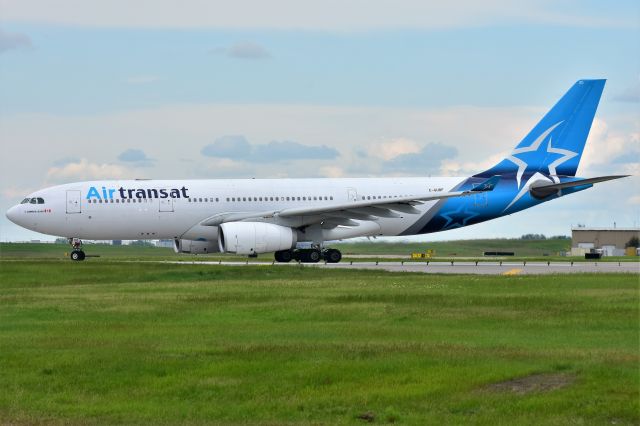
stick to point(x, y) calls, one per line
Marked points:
point(471, 268)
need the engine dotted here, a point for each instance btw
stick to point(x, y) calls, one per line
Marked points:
point(195, 246)
point(255, 237)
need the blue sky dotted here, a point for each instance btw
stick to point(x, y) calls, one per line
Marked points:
point(84, 93)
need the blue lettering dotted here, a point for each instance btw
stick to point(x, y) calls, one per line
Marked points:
point(93, 193)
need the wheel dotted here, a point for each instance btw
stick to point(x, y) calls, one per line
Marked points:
point(313, 256)
point(77, 255)
point(332, 256)
point(283, 256)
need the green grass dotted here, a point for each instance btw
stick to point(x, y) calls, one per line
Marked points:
point(465, 248)
point(115, 342)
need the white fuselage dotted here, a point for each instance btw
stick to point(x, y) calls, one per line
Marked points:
point(172, 209)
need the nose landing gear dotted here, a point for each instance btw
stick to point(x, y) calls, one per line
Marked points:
point(77, 254)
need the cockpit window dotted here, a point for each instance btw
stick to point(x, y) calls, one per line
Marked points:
point(25, 201)
point(34, 201)
point(40, 200)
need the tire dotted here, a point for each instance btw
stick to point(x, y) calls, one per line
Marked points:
point(313, 256)
point(77, 255)
point(333, 256)
point(283, 256)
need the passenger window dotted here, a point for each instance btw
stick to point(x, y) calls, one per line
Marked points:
point(217, 199)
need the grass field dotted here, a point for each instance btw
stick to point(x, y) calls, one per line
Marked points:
point(126, 343)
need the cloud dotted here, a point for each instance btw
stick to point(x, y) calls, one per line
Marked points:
point(426, 161)
point(136, 157)
point(230, 146)
point(287, 150)
point(236, 147)
point(85, 170)
point(64, 161)
point(395, 147)
point(609, 151)
point(243, 50)
point(14, 41)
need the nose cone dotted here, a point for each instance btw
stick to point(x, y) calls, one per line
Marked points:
point(13, 214)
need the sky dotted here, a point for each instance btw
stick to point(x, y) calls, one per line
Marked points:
point(289, 88)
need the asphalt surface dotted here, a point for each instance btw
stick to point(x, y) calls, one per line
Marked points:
point(481, 268)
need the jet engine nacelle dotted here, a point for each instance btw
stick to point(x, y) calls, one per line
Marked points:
point(195, 246)
point(255, 237)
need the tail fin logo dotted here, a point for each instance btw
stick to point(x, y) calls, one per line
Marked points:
point(538, 157)
point(533, 157)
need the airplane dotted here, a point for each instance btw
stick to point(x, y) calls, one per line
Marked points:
point(295, 218)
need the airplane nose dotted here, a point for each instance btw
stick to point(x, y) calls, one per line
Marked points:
point(13, 214)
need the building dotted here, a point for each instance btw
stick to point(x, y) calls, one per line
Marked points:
point(164, 243)
point(611, 241)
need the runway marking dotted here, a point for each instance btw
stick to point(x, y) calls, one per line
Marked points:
point(514, 271)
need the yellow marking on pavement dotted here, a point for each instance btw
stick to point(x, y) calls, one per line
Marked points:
point(515, 271)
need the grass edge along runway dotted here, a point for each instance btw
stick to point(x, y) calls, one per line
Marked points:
point(108, 342)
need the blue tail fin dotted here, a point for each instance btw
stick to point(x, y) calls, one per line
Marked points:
point(555, 144)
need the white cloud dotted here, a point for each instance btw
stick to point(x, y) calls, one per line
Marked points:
point(610, 151)
point(294, 14)
point(17, 193)
point(332, 171)
point(85, 170)
point(634, 199)
point(392, 148)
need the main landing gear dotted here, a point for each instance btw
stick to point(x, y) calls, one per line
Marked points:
point(76, 253)
point(309, 255)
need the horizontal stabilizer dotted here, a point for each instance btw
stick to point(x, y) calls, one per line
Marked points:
point(487, 185)
point(544, 190)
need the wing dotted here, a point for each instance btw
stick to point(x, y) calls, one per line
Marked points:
point(346, 213)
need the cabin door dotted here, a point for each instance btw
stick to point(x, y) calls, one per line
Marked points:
point(73, 201)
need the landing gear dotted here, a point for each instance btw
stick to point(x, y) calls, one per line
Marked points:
point(284, 256)
point(76, 254)
point(332, 255)
point(308, 255)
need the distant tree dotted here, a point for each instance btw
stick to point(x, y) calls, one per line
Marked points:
point(560, 237)
point(633, 242)
point(533, 237)
point(62, 241)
